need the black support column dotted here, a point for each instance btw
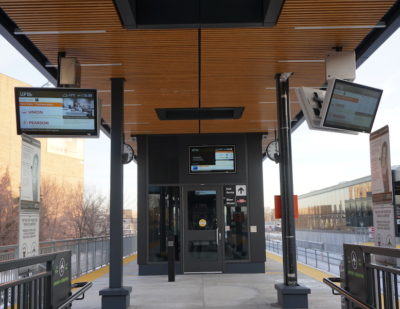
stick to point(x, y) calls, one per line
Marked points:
point(290, 293)
point(116, 296)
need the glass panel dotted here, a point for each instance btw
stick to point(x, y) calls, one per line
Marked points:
point(202, 210)
point(203, 250)
point(236, 233)
point(164, 212)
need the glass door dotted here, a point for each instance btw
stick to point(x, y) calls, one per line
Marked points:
point(203, 230)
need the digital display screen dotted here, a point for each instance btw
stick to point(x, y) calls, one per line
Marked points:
point(350, 106)
point(56, 111)
point(212, 159)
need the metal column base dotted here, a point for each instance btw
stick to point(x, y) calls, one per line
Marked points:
point(116, 298)
point(292, 296)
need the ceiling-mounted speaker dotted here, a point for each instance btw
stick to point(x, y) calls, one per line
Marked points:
point(341, 65)
point(70, 72)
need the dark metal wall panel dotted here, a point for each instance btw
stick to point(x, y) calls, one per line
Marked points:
point(163, 159)
point(142, 199)
point(256, 198)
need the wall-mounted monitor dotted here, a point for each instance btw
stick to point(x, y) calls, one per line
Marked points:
point(350, 106)
point(212, 159)
point(57, 112)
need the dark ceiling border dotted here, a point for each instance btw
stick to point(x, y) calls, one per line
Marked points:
point(378, 35)
point(25, 46)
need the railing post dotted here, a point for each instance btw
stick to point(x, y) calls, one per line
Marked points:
point(306, 256)
point(94, 254)
point(329, 263)
point(316, 261)
point(78, 261)
point(87, 255)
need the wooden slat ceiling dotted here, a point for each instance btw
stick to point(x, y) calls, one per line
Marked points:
point(161, 67)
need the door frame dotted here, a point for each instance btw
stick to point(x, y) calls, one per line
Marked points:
point(220, 225)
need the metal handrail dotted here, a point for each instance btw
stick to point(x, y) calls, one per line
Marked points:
point(84, 286)
point(14, 264)
point(331, 283)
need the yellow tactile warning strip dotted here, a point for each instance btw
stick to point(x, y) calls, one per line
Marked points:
point(307, 270)
point(90, 277)
point(372, 244)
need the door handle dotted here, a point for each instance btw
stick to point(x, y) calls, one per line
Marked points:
point(217, 236)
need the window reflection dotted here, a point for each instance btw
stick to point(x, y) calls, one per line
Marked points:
point(164, 213)
point(236, 233)
point(338, 208)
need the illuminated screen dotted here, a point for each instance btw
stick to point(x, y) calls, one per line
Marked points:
point(212, 159)
point(56, 111)
point(350, 106)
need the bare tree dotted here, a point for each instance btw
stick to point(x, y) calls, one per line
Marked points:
point(8, 211)
point(58, 201)
point(89, 217)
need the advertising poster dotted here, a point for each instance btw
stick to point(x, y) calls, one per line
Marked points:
point(381, 187)
point(28, 237)
point(381, 173)
point(30, 173)
point(28, 234)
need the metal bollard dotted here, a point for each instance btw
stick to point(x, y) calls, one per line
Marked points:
point(171, 258)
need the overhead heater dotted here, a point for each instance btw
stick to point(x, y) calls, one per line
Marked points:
point(159, 14)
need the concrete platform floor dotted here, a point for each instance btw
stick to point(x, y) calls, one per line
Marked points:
point(212, 291)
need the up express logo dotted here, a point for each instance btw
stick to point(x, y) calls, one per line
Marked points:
point(61, 267)
point(354, 260)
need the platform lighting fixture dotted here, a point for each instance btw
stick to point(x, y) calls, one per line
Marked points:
point(262, 120)
point(107, 105)
point(293, 88)
point(19, 32)
point(303, 61)
point(381, 25)
point(109, 91)
point(136, 122)
point(88, 65)
point(274, 102)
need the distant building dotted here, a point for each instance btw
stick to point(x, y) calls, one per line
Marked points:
point(346, 206)
point(129, 221)
point(61, 158)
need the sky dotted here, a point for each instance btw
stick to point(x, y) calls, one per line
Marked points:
point(320, 159)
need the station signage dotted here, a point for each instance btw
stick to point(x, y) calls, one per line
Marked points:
point(235, 195)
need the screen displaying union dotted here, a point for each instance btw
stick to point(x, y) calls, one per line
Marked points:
point(212, 159)
point(57, 112)
point(350, 106)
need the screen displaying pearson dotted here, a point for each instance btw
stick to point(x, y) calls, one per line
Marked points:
point(212, 159)
point(56, 111)
point(351, 106)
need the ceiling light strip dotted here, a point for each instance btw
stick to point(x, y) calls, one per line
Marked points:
point(18, 32)
point(136, 122)
point(340, 27)
point(303, 61)
point(88, 65)
point(291, 102)
point(109, 91)
point(262, 120)
point(108, 105)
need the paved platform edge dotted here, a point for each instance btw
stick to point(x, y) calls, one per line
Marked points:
point(305, 269)
point(90, 277)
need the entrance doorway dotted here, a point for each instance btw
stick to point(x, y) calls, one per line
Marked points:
point(203, 224)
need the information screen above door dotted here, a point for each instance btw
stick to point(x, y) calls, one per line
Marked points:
point(212, 159)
